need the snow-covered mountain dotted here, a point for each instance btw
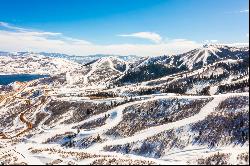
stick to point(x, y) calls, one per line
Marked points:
point(209, 54)
point(156, 67)
point(31, 63)
point(90, 58)
point(74, 58)
point(99, 72)
point(191, 108)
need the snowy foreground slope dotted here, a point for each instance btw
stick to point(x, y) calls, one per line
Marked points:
point(153, 111)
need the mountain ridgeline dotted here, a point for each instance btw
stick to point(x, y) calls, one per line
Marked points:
point(156, 67)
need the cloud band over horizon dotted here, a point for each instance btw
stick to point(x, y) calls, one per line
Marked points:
point(20, 39)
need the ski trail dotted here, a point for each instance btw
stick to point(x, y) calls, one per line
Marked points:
point(206, 55)
point(127, 67)
point(93, 69)
point(111, 65)
point(115, 118)
point(124, 72)
point(42, 108)
point(117, 113)
point(144, 134)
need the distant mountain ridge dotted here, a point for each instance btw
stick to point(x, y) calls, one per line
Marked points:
point(74, 58)
point(131, 69)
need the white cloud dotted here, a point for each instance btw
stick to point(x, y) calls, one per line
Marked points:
point(24, 30)
point(211, 41)
point(13, 30)
point(6, 25)
point(247, 35)
point(214, 41)
point(145, 35)
point(238, 11)
point(237, 44)
point(37, 41)
point(244, 11)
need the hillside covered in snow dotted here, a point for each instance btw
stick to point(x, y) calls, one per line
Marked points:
point(191, 108)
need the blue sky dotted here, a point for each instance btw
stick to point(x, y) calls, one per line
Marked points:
point(114, 24)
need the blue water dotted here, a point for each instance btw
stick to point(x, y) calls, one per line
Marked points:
point(6, 79)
